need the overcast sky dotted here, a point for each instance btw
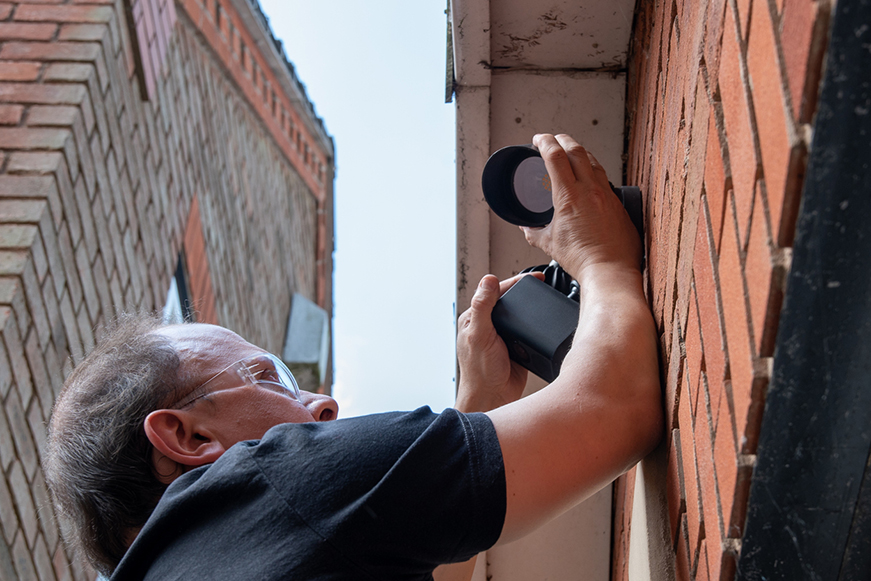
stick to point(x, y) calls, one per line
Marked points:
point(376, 75)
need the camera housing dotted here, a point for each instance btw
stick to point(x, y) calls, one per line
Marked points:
point(537, 320)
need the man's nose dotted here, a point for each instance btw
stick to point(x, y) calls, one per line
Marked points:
point(323, 408)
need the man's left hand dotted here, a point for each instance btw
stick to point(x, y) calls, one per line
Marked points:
point(488, 378)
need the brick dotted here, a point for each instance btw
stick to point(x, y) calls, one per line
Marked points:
point(17, 236)
point(19, 71)
point(52, 116)
point(804, 25)
point(33, 293)
point(83, 32)
point(710, 495)
point(71, 326)
point(12, 294)
point(5, 10)
point(23, 502)
point(683, 560)
point(703, 571)
point(63, 13)
point(11, 114)
point(50, 51)
point(764, 293)
point(690, 474)
point(718, 179)
point(33, 138)
point(70, 72)
point(61, 565)
point(780, 149)
point(736, 112)
point(54, 366)
point(674, 486)
point(22, 559)
point(26, 31)
point(7, 453)
point(693, 345)
point(74, 286)
point(38, 162)
point(39, 373)
point(42, 94)
point(42, 560)
point(8, 518)
point(15, 351)
point(707, 287)
point(673, 379)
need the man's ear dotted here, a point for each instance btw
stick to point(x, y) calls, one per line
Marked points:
point(177, 435)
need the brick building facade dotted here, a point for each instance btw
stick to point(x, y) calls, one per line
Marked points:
point(135, 134)
point(721, 97)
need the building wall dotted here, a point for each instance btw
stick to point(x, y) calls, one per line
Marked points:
point(720, 102)
point(126, 139)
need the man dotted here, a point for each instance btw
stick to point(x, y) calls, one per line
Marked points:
point(185, 452)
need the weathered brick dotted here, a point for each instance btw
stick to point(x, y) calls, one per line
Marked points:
point(50, 51)
point(5, 10)
point(71, 325)
point(56, 116)
point(42, 560)
point(63, 13)
point(15, 351)
point(39, 162)
point(54, 366)
point(19, 71)
point(33, 293)
point(27, 31)
point(674, 485)
point(22, 559)
point(17, 236)
point(12, 294)
point(62, 569)
point(39, 373)
point(11, 114)
point(69, 72)
point(33, 138)
point(94, 32)
point(7, 455)
point(20, 489)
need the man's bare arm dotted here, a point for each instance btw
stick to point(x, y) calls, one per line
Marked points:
point(603, 413)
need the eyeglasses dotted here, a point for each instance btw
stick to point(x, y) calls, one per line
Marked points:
point(264, 370)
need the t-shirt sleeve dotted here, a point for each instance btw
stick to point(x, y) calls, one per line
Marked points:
point(392, 492)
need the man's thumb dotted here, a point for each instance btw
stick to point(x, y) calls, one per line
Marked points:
point(485, 298)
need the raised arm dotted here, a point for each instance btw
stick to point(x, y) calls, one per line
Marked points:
point(603, 413)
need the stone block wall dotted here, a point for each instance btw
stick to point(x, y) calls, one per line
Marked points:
point(108, 172)
point(720, 102)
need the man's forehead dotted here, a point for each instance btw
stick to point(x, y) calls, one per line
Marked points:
point(207, 349)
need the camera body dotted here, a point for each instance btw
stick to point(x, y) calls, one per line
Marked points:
point(537, 323)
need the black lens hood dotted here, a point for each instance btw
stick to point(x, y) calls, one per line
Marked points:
point(497, 182)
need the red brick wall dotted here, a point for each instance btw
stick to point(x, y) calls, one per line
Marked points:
point(720, 97)
point(99, 192)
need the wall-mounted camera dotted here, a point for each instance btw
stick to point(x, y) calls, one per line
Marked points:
point(537, 320)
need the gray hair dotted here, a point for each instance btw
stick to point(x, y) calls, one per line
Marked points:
point(98, 459)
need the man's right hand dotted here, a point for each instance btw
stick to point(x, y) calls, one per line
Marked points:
point(589, 226)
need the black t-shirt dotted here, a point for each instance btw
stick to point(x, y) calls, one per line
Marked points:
point(388, 496)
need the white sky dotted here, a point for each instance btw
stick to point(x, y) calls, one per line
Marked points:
point(375, 72)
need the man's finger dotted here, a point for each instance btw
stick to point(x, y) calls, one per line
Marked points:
point(510, 282)
point(578, 157)
point(556, 161)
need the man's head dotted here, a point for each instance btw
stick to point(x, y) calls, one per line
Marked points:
point(148, 404)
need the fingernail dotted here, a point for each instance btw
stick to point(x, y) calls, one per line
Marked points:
point(489, 284)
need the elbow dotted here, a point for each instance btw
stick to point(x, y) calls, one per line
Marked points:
point(642, 420)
